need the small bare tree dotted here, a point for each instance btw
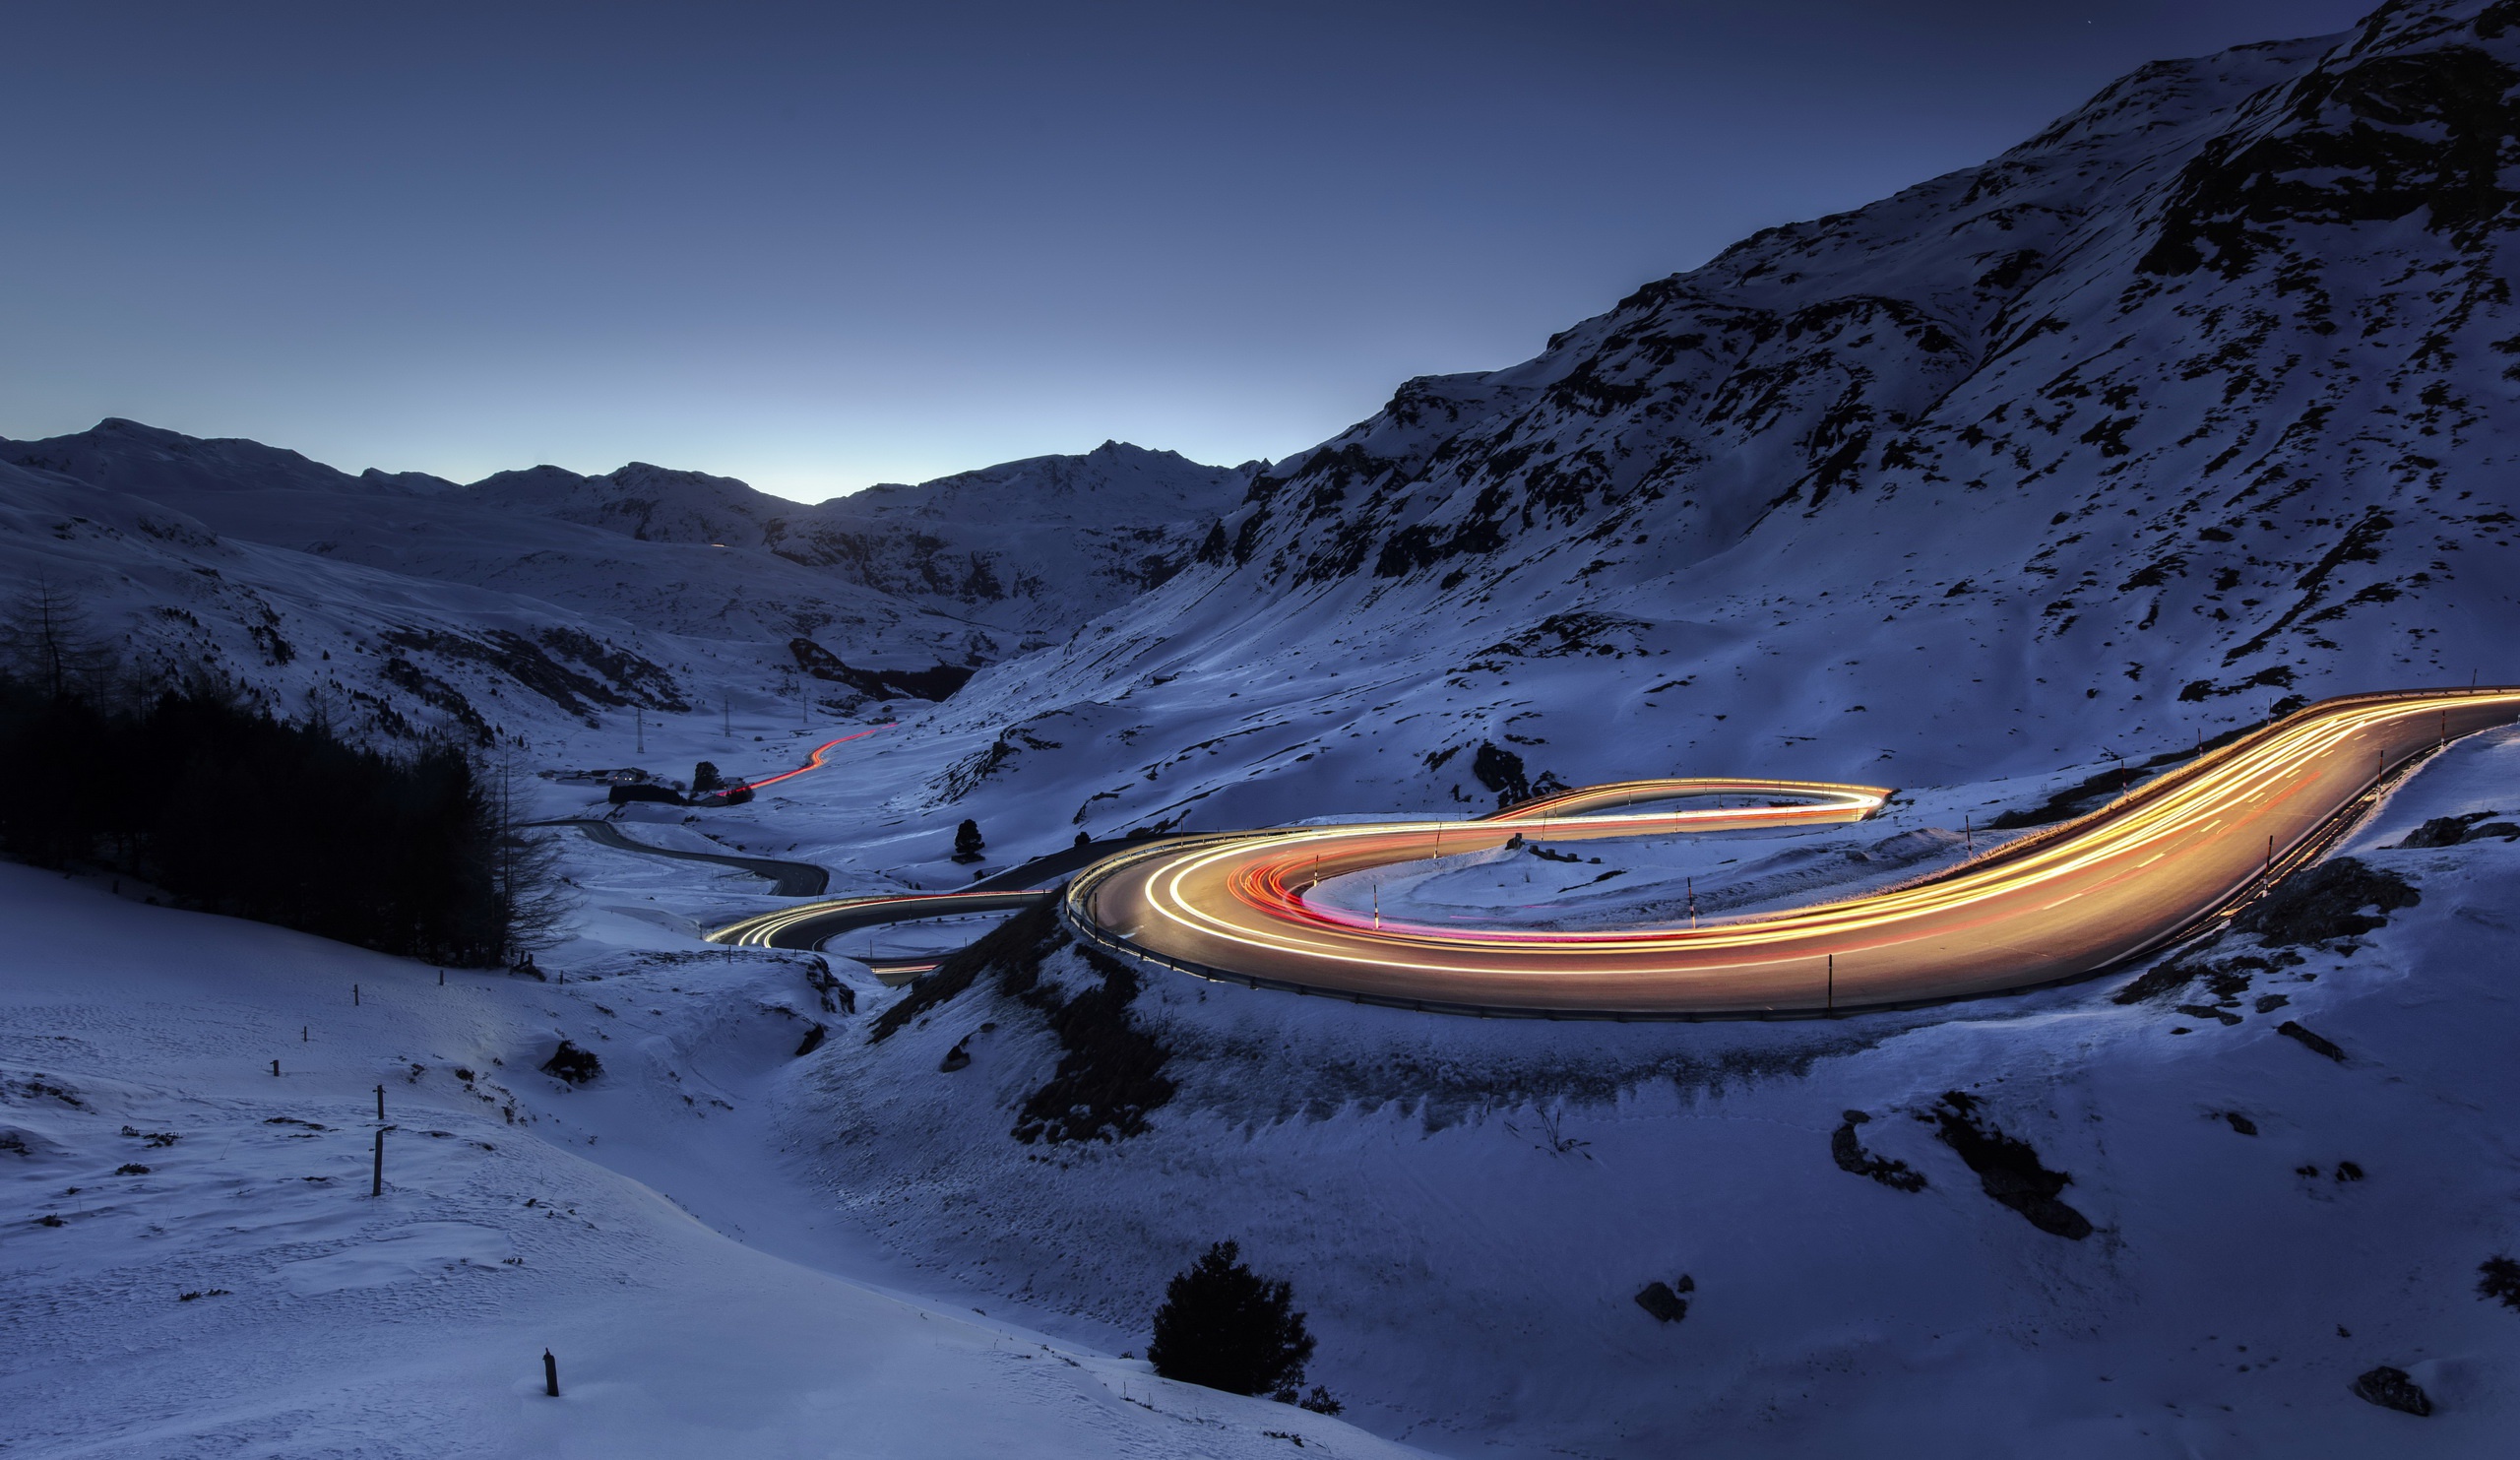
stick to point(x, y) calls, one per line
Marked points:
point(47, 639)
point(533, 901)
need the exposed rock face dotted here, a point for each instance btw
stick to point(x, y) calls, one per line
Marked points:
point(2327, 902)
point(573, 1064)
point(2008, 1168)
point(2391, 1389)
point(1846, 1148)
point(1665, 1300)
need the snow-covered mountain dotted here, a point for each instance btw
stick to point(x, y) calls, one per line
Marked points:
point(1036, 546)
point(2196, 402)
point(636, 553)
point(379, 653)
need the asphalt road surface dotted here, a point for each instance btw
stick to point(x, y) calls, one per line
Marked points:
point(817, 924)
point(2071, 899)
point(787, 878)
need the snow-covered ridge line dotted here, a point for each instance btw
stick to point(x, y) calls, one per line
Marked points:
point(2186, 409)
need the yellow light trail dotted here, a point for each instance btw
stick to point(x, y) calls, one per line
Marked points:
point(2071, 899)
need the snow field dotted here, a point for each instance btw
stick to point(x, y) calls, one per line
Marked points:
point(328, 1323)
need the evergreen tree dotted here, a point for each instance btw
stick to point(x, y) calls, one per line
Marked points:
point(706, 776)
point(1226, 1327)
point(968, 845)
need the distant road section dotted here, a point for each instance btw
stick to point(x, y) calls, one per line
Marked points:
point(814, 924)
point(787, 878)
point(2071, 899)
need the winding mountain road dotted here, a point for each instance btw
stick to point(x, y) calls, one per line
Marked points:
point(2071, 899)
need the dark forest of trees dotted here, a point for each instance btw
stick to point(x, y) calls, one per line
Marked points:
point(230, 812)
point(224, 808)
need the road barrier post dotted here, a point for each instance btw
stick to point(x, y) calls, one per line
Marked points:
point(551, 1375)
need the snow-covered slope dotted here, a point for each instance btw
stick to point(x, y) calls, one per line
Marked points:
point(2294, 1172)
point(194, 1265)
point(676, 584)
point(2196, 402)
point(374, 653)
point(1038, 546)
point(897, 599)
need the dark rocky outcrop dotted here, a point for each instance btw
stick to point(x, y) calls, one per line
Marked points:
point(2450, 831)
point(2293, 1030)
point(573, 1064)
point(1665, 1300)
point(1111, 1071)
point(2391, 1389)
point(2498, 1281)
point(1848, 1150)
point(2008, 1168)
point(2327, 902)
point(936, 682)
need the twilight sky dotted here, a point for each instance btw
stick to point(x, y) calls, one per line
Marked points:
point(822, 245)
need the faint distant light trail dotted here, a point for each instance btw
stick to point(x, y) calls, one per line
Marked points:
point(814, 761)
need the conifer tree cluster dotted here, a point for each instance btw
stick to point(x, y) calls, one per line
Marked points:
point(222, 808)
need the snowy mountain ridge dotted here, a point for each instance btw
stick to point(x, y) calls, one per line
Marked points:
point(640, 552)
point(2193, 405)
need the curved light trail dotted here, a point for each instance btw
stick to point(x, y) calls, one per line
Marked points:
point(2071, 899)
point(813, 762)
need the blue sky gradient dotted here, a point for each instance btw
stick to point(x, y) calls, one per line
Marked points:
point(819, 246)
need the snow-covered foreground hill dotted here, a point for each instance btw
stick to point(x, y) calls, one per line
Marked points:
point(191, 1262)
point(2283, 1176)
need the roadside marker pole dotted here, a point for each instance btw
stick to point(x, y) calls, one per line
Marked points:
point(551, 1375)
point(376, 1186)
point(1832, 1004)
point(380, 1101)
